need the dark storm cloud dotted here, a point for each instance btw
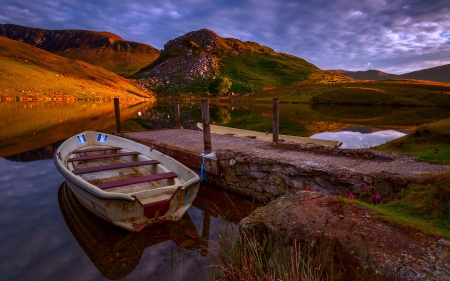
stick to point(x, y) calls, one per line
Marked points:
point(394, 36)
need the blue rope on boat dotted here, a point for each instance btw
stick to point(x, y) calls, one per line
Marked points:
point(189, 193)
point(202, 177)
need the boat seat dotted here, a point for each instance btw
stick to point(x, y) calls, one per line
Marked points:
point(250, 137)
point(102, 156)
point(152, 209)
point(96, 149)
point(113, 166)
point(154, 177)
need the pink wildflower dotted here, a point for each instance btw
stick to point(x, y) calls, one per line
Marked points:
point(351, 196)
point(363, 185)
point(377, 197)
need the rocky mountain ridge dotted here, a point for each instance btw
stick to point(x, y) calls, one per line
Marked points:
point(103, 49)
point(184, 61)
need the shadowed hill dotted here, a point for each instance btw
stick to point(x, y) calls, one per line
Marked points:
point(370, 74)
point(437, 74)
point(190, 62)
point(31, 73)
point(98, 48)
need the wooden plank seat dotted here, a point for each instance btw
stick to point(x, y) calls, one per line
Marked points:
point(102, 156)
point(96, 149)
point(154, 177)
point(152, 209)
point(113, 166)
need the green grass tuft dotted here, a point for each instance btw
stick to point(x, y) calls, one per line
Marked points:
point(429, 142)
point(421, 207)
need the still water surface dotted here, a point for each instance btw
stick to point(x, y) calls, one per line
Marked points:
point(45, 235)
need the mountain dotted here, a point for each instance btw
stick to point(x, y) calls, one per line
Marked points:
point(27, 72)
point(437, 74)
point(190, 62)
point(97, 48)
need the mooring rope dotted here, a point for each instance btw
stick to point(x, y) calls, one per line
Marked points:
point(202, 167)
point(202, 178)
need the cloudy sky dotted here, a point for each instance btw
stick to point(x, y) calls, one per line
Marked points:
point(395, 36)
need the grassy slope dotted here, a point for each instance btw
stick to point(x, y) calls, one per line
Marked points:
point(385, 92)
point(26, 71)
point(423, 207)
point(262, 70)
point(120, 62)
point(429, 142)
point(102, 49)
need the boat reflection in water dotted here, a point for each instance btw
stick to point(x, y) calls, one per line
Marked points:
point(114, 251)
point(117, 252)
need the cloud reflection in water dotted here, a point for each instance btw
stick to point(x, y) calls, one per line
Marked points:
point(359, 140)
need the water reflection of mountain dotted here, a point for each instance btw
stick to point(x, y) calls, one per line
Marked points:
point(164, 116)
point(31, 125)
point(45, 152)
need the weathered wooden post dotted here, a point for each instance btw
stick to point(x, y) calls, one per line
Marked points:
point(117, 114)
point(177, 114)
point(205, 232)
point(276, 120)
point(206, 126)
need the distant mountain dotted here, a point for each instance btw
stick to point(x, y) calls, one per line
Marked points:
point(98, 48)
point(438, 74)
point(32, 73)
point(190, 62)
point(370, 74)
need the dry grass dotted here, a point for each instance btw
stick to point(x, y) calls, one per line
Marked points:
point(29, 72)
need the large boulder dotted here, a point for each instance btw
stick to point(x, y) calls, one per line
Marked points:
point(353, 238)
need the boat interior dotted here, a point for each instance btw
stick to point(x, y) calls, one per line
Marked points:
point(115, 169)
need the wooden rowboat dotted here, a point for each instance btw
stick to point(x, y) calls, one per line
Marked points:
point(221, 130)
point(114, 252)
point(123, 182)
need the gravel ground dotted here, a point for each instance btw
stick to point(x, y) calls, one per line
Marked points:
point(193, 140)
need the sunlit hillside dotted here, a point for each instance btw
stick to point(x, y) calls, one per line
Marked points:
point(31, 73)
point(103, 49)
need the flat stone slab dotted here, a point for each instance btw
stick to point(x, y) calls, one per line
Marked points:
point(192, 140)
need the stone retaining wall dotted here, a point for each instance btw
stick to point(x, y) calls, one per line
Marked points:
point(266, 179)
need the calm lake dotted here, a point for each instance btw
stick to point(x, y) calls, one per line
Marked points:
point(46, 235)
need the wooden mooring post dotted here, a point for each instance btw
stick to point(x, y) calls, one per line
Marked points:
point(206, 126)
point(205, 232)
point(117, 114)
point(276, 120)
point(177, 114)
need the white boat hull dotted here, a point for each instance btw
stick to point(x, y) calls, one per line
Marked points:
point(122, 195)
